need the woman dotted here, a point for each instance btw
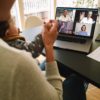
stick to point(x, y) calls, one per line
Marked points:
point(20, 76)
point(83, 31)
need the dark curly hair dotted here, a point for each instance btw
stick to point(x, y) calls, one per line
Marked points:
point(4, 25)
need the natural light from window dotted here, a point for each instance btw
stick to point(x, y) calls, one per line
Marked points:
point(78, 3)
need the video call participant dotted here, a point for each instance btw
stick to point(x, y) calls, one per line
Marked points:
point(66, 24)
point(88, 19)
point(65, 16)
point(82, 15)
point(83, 31)
point(66, 27)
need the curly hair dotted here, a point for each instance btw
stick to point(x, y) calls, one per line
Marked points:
point(4, 25)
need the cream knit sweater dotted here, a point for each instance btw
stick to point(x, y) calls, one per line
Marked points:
point(21, 78)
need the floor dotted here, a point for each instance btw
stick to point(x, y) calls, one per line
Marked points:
point(93, 93)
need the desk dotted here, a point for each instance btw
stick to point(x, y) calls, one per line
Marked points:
point(77, 62)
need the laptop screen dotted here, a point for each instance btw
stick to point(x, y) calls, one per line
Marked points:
point(76, 21)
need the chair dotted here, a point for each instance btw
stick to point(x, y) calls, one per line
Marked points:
point(32, 21)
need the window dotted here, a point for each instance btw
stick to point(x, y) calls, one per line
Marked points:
point(45, 8)
point(24, 8)
point(78, 3)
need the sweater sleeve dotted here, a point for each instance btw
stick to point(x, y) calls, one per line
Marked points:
point(53, 76)
point(29, 83)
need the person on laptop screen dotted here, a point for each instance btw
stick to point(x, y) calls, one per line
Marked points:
point(65, 22)
point(82, 15)
point(65, 16)
point(83, 31)
point(88, 19)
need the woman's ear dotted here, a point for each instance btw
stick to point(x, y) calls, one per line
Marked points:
point(7, 33)
point(12, 31)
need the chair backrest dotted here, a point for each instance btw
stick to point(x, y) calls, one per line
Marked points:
point(32, 21)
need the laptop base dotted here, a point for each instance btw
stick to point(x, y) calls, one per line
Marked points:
point(81, 47)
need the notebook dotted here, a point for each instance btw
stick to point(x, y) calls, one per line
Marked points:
point(76, 28)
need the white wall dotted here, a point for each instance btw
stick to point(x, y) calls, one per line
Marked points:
point(52, 9)
point(97, 28)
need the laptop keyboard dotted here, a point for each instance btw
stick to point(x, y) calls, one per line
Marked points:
point(73, 39)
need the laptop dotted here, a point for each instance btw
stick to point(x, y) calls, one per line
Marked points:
point(76, 28)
